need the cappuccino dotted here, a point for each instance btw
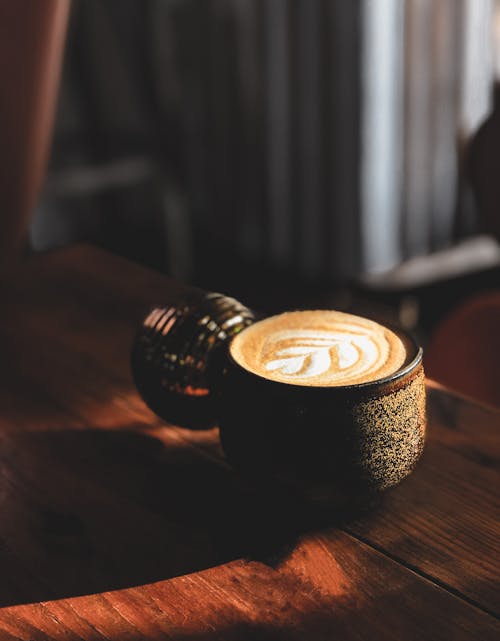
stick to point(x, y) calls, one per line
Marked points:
point(320, 348)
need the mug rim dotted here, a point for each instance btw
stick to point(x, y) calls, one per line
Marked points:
point(396, 376)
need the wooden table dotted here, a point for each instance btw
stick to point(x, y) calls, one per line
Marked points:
point(116, 526)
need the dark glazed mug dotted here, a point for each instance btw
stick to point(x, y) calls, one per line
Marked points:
point(334, 442)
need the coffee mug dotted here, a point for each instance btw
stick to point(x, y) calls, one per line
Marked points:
point(324, 401)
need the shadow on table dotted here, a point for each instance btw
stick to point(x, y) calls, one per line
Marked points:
point(88, 511)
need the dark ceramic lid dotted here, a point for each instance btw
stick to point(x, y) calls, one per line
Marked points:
point(175, 355)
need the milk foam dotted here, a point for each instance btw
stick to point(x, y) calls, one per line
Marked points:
point(312, 352)
point(320, 348)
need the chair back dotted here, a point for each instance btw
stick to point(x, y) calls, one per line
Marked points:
point(32, 37)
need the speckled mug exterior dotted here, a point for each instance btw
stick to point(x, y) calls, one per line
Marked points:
point(364, 437)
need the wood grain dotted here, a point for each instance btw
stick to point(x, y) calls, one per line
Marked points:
point(357, 594)
point(115, 526)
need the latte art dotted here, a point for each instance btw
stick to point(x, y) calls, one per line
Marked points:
point(314, 353)
point(319, 348)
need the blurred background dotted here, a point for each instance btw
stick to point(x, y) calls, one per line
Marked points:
point(290, 153)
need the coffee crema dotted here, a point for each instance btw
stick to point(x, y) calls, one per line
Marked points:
point(320, 348)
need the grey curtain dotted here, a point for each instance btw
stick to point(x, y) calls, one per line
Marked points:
point(321, 136)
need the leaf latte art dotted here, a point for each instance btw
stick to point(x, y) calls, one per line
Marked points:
point(319, 348)
point(314, 353)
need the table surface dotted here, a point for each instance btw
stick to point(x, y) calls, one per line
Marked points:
point(117, 527)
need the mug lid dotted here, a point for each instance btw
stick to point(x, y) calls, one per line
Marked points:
point(174, 355)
